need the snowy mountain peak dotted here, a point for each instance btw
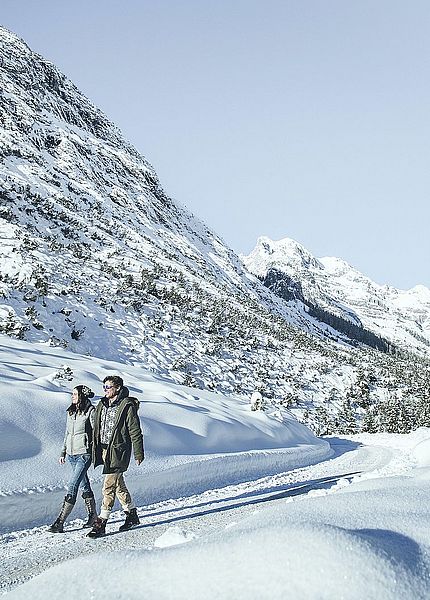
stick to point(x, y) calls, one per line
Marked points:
point(284, 254)
point(422, 292)
point(337, 266)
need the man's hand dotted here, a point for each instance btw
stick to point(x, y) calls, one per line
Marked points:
point(62, 460)
point(139, 460)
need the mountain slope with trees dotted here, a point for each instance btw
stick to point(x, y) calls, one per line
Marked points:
point(96, 258)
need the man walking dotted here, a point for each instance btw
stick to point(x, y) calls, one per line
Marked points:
point(116, 432)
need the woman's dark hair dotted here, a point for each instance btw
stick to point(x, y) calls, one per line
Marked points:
point(84, 402)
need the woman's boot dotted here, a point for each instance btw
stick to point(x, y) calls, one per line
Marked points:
point(90, 505)
point(66, 509)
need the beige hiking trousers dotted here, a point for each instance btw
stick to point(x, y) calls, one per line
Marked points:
point(114, 486)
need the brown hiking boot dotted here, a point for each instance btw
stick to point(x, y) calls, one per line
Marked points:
point(131, 520)
point(66, 509)
point(90, 505)
point(99, 528)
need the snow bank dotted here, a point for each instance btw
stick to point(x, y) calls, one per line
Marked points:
point(421, 452)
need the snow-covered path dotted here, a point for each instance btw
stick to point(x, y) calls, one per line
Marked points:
point(234, 503)
point(27, 553)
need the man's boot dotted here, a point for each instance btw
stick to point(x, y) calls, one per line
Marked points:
point(90, 505)
point(66, 509)
point(99, 528)
point(131, 520)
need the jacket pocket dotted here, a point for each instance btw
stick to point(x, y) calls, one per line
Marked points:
point(120, 456)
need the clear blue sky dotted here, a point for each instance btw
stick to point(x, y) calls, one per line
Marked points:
point(307, 119)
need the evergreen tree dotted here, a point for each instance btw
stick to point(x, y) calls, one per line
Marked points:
point(370, 421)
point(346, 419)
point(323, 423)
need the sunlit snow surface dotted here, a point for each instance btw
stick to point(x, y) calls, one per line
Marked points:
point(368, 536)
point(200, 438)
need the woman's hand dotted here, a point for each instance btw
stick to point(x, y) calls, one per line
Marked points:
point(62, 460)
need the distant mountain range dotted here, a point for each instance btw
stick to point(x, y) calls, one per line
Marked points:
point(96, 258)
point(348, 301)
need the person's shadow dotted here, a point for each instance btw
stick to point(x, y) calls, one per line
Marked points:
point(240, 501)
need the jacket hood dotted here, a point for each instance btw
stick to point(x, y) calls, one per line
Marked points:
point(122, 394)
point(125, 395)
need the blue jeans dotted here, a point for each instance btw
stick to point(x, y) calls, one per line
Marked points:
point(80, 464)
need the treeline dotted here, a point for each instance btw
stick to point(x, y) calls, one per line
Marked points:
point(350, 329)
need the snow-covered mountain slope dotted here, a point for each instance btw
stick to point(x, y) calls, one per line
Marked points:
point(74, 189)
point(90, 238)
point(97, 259)
point(400, 317)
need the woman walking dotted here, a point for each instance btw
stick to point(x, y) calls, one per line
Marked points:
point(77, 447)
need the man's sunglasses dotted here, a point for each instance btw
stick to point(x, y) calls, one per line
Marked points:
point(108, 387)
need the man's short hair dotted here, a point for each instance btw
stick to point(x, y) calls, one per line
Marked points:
point(115, 379)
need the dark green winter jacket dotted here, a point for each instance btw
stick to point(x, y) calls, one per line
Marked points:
point(127, 435)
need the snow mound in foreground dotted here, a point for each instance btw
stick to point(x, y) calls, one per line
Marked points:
point(338, 546)
point(173, 536)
